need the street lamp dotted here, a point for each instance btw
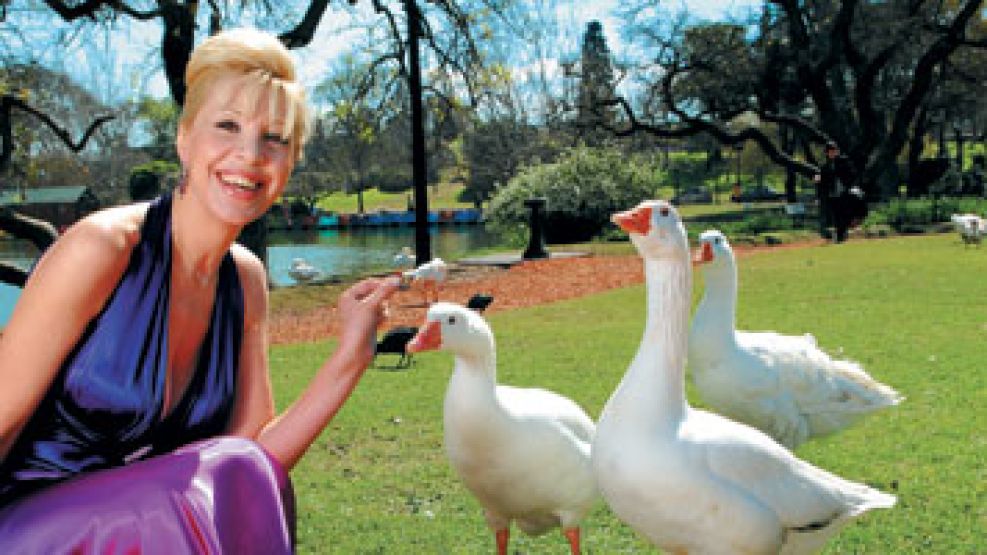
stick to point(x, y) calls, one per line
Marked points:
point(423, 248)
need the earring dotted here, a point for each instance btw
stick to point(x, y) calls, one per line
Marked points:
point(182, 182)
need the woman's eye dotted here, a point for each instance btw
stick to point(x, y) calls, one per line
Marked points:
point(277, 139)
point(228, 125)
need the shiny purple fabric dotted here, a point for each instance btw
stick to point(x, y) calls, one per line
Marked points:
point(99, 469)
point(222, 495)
point(104, 407)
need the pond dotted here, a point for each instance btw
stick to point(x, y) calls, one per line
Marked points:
point(360, 251)
point(334, 252)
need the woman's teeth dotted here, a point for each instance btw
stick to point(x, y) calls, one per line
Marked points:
point(241, 182)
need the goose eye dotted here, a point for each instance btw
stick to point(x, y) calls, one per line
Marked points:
point(663, 211)
point(717, 240)
point(451, 320)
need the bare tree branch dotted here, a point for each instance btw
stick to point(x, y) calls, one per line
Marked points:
point(302, 34)
point(90, 7)
point(9, 102)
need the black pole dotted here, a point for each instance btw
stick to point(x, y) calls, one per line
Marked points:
point(423, 248)
point(536, 241)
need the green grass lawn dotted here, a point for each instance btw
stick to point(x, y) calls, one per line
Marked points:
point(445, 195)
point(912, 310)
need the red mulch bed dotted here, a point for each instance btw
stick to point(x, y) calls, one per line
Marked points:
point(527, 284)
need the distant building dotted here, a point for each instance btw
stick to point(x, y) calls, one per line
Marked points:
point(61, 206)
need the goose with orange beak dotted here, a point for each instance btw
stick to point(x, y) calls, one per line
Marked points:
point(692, 481)
point(524, 453)
point(783, 385)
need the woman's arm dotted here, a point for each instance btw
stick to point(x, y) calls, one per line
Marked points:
point(289, 435)
point(69, 286)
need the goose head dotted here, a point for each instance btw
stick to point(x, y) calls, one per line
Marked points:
point(453, 328)
point(714, 250)
point(655, 229)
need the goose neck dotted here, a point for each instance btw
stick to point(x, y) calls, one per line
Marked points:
point(474, 374)
point(653, 390)
point(717, 311)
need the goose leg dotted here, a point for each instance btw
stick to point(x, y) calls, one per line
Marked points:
point(502, 535)
point(572, 534)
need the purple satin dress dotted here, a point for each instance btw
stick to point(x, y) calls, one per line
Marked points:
point(97, 470)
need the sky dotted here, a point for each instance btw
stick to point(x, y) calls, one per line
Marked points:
point(130, 66)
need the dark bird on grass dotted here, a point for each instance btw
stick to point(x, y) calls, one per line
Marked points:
point(393, 342)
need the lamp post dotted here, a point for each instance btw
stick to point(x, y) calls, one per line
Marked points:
point(423, 248)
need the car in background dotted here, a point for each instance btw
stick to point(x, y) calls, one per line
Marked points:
point(758, 193)
point(693, 195)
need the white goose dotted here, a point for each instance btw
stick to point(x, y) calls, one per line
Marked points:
point(783, 385)
point(524, 453)
point(691, 481)
point(431, 274)
point(301, 271)
point(971, 227)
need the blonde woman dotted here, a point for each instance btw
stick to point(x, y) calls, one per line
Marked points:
point(135, 403)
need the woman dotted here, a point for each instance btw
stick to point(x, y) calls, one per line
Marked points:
point(135, 402)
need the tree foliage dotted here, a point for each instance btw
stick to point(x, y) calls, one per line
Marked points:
point(855, 72)
point(596, 86)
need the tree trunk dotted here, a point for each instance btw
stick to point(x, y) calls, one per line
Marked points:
point(177, 41)
point(423, 247)
point(915, 146)
point(788, 141)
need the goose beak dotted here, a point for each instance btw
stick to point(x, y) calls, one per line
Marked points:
point(428, 338)
point(703, 255)
point(636, 220)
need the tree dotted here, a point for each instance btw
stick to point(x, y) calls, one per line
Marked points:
point(449, 30)
point(854, 72)
point(39, 232)
point(159, 119)
point(596, 86)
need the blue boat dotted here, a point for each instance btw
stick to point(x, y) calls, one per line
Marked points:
point(328, 220)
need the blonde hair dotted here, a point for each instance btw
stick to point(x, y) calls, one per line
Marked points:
point(265, 66)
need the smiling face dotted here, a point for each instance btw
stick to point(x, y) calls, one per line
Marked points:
point(655, 229)
point(236, 160)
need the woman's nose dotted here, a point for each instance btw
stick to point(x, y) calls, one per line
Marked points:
point(251, 148)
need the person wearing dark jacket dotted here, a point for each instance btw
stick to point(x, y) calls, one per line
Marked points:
point(833, 184)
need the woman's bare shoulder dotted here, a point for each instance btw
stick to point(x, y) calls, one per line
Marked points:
point(100, 242)
point(116, 227)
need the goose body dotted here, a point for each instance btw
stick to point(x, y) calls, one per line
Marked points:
point(783, 385)
point(524, 453)
point(692, 481)
point(430, 274)
point(301, 271)
point(405, 258)
point(971, 227)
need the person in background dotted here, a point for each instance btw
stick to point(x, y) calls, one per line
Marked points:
point(833, 183)
point(135, 398)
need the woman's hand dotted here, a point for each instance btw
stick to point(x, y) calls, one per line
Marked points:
point(362, 309)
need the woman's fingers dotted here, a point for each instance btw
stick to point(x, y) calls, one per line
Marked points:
point(384, 290)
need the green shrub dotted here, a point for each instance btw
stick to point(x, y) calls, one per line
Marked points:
point(583, 188)
point(914, 215)
point(147, 180)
